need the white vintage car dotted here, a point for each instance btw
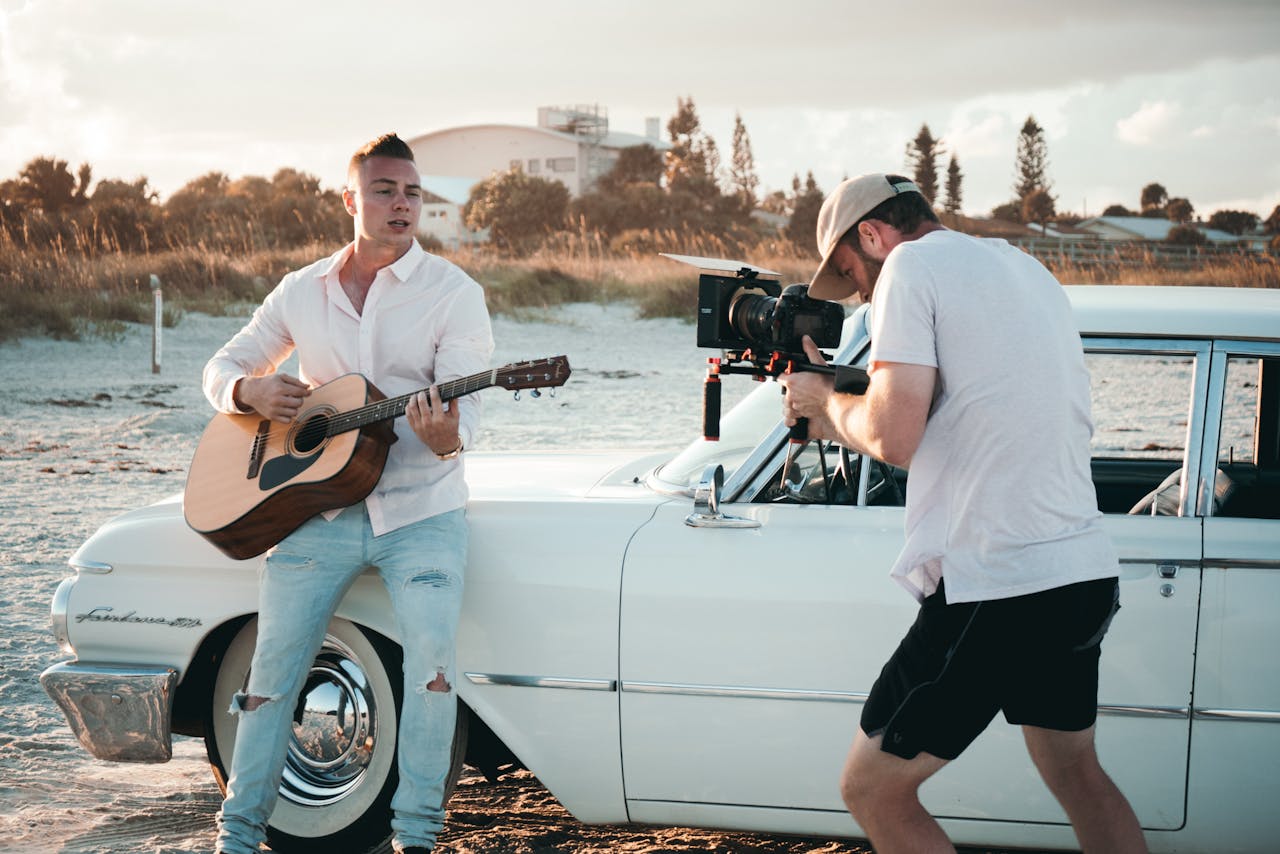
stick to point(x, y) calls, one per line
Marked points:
point(688, 641)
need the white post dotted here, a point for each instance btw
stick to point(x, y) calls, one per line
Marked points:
point(156, 323)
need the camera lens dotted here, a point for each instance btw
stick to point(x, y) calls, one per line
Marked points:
point(751, 316)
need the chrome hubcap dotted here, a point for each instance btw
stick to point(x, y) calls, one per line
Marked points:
point(335, 727)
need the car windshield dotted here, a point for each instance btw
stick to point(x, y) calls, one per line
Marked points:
point(749, 422)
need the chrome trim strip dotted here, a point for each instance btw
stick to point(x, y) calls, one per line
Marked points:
point(807, 695)
point(1190, 563)
point(850, 697)
point(1254, 715)
point(58, 621)
point(1240, 563)
point(95, 567)
point(515, 681)
point(1144, 711)
point(748, 693)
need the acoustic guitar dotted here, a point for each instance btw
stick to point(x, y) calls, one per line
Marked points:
point(253, 481)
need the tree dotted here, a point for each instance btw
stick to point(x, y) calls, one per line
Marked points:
point(1186, 235)
point(1271, 225)
point(687, 161)
point(517, 208)
point(922, 160)
point(742, 168)
point(777, 202)
point(1180, 211)
point(1153, 200)
point(1038, 207)
point(298, 211)
point(1009, 211)
point(1233, 222)
point(46, 184)
point(692, 176)
point(952, 203)
point(638, 164)
point(205, 210)
point(124, 213)
point(802, 228)
point(1032, 164)
point(1117, 210)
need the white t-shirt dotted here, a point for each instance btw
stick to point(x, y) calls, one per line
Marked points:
point(1000, 500)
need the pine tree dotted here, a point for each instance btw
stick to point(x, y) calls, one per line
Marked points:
point(687, 160)
point(1032, 161)
point(954, 175)
point(742, 169)
point(922, 159)
point(803, 226)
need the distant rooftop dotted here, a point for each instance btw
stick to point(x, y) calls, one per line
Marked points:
point(1152, 228)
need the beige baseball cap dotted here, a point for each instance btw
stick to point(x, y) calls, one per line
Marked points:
point(853, 199)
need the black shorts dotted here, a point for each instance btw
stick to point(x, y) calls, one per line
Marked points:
point(1034, 657)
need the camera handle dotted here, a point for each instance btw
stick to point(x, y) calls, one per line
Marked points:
point(711, 402)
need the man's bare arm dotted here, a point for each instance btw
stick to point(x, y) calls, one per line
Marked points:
point(887, 422)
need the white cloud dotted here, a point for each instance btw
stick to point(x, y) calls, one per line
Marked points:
point(978, 134)
point(1151, 122)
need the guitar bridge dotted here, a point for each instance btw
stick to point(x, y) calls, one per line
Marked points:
point(257, 449)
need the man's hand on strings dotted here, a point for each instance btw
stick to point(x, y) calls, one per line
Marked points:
point(276, 396)
point(434, 421)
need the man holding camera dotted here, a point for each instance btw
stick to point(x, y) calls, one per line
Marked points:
point(978, 385)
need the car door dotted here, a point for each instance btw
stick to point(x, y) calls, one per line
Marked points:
point(746, 652)
point(1236, 727)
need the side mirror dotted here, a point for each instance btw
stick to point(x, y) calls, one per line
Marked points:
point(706, 503)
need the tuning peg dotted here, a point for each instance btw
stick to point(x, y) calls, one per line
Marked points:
point(516, 394)
point(535, 393)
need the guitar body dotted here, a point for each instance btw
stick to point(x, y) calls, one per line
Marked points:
point(259, 480)
point(252, 482)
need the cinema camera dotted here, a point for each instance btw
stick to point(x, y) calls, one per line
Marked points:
point(758, 325)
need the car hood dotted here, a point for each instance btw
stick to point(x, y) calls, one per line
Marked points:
point(548, 475)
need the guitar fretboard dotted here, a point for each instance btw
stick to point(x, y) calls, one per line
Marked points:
point(394, 407)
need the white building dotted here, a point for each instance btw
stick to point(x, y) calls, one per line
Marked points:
point(572, 145)
point(1145, 228)
point(443, 199)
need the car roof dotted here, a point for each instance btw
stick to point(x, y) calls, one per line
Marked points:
point(1161, 311)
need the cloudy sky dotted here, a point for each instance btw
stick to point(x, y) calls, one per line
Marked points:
point(1182, 92)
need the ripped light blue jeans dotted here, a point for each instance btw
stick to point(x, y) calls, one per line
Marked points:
point(302, 582)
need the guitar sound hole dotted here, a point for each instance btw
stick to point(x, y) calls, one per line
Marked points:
point(311, 434)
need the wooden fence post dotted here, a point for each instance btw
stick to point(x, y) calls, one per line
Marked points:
point(156, 324)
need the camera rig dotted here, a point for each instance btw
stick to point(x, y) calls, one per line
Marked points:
point(759, 326)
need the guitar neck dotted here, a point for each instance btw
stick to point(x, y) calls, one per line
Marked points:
point(394, 407)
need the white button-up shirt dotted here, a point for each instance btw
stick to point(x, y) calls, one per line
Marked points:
point(424, 322)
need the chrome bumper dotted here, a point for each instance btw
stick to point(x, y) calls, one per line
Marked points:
point(119, 713)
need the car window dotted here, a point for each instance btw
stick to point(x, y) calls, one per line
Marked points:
point(1239, 412)
point(1248, 455)
point(825, 473)
point(1140, 404)
point(741, 429)
point(749, 427)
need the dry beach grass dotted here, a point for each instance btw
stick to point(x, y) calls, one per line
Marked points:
point(64, 292)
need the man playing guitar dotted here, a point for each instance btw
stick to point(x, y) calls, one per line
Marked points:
point(384, 308)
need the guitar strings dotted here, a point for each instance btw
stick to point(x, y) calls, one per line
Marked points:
point(318, 428)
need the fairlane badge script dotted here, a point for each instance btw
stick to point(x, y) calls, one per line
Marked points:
point(105, 615)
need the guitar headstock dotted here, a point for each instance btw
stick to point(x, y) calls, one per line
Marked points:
point(539, 373)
